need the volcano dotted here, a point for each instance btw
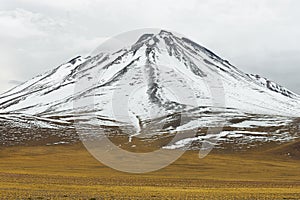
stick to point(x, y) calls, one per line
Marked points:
point(142, 88)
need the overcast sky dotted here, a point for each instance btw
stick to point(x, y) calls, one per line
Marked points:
point(257, 36)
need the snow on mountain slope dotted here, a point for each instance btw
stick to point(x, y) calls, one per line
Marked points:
point(51, 92)
point(160, 69)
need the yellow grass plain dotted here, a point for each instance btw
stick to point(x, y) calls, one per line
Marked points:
point(70, 172)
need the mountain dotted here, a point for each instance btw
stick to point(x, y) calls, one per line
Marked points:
point(142, 87)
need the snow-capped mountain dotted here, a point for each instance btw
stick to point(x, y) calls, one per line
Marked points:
point(157, 76)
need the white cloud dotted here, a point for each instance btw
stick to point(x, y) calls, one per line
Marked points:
point(71, 5)
point(18, 24)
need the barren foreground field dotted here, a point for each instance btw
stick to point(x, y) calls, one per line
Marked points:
point(70, 172)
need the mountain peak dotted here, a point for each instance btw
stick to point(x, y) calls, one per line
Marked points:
point(165, 33)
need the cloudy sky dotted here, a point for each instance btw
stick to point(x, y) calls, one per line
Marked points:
point(258, 36)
